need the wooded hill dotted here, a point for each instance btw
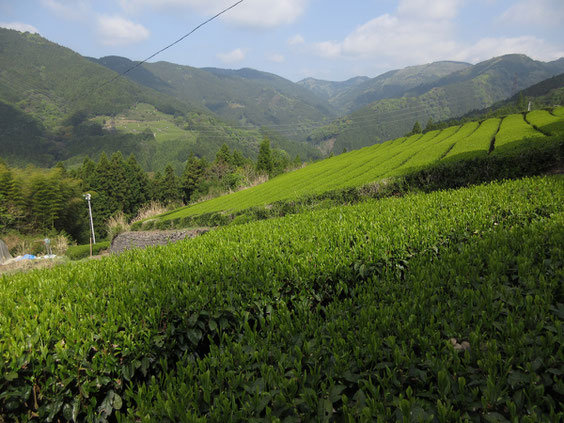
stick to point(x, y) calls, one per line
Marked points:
point(45, 119)
point(471, 88)
point(245, 97)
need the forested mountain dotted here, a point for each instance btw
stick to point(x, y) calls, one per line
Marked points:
point(58, 106)
point(356, 93)
point(245, 97)
point(162, 111)
point(328, 90)
point(472, 88)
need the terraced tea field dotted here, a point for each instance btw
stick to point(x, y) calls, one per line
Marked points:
point(390, 159)
point(433, 307)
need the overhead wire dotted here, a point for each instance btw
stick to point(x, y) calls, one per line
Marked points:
point(217, 15)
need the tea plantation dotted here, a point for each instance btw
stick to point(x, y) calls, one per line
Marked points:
point(495, 137)
point(445, 306)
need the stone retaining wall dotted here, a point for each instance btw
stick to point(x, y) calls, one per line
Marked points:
point(142, 239)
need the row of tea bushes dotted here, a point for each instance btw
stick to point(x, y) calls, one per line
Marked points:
point(390, 159)
point(274, 318)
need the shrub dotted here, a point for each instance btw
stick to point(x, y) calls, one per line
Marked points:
point(78, 252)
point(116, 225)
point(152, 209)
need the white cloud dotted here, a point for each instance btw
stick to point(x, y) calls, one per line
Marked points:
point(425, 9)
point(68, 9)
point(19, 26)
point(233, 56)
point(535, 12)
point(258, 14)
point(392, 38)
point(277, 58)
point(421, 32)
point(115, 31)
point(264, 14)
point(296, 40)
point(487, 48)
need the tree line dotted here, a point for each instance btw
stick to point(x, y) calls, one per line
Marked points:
point(34, 200)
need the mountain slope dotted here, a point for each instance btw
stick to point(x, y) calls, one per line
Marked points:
point(454, 95)
point(246, 97)
point(56, 106)
point(358, 92)
point(331, 89)
point(53, 82)
point(396, 158)
point(395, 84)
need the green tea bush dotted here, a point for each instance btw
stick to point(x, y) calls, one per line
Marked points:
point(78, 252)
point(443, 306)
point(344, 174)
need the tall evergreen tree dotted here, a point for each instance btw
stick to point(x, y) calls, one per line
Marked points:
point(103, 205)
point(155, 187)
point(87, 173)
point(192, 177)
point(138, 184)
point(280, 161)
point(118, 188)
point(237, 159)
point(170, 186)
point(223, 155)
point(264, 159)
point(416, 128)
point(62, 169)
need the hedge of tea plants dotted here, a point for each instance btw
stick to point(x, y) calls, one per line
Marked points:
point(431, 307)
point(391, 159)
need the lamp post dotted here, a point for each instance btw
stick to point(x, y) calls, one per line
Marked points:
point(88, 197)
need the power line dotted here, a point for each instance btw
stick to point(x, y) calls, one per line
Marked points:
point(170, 45)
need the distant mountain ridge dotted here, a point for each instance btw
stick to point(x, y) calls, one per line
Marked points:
point(356, 93)
point(331, 89)
point(243, 97)
point(55, 104)
point(470, 88)
point(58, 106)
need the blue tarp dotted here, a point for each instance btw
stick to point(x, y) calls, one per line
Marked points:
point(27, 257)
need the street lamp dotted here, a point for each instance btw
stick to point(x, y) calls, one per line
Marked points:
point(88, 197)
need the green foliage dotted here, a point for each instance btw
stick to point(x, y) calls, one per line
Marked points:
point(398, 158)
point(443, 304)
point(41, 201)
point(44, 119)
point(376, 116)
point(247, 97)
point(264, 159)
point(192, 176)
point(170, 186)
point(224, 155)
point(78, 252)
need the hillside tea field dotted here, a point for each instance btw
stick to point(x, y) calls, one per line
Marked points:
point(433, 307)
point(396, 158)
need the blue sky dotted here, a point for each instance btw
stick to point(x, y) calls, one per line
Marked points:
point(326, 39)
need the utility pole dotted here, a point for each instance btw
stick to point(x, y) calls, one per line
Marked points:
point(88, 198)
